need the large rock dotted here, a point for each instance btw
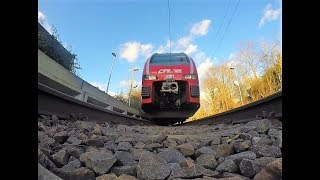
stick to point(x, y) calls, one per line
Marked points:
point(264, 161)
point(262, 125)
point(272, 171)
point(239, 156)
point(110, 176)
point(186, 149)
point(84, 125)
point(73, 140)
point(241, 146)
point(192, 172)
point(61, 137)
point(97, 129)
point(152, 146)
point(160, 138)
point(137, 153)
point(110, 145)
point(99, 161)
point(215, 140)
point(269, 151)
point(126, 177)
point(249, 168)
point(187, 163)
point(224, 150)
point(227, 166)
point(81, 173)
point(75, 164)
point(44, 174)
point(60, 158)
point(124, 146)
point(129, 170)
point(265, 141)
point(171, 156)
point(74, 150)
point(97, 141)
point(125, 158)
point(232, 176)
point(245, 136)
point(152, 167)
point(208, 161)
point(274, 133)
point(204, 150)
point(245, 129)
point(45, 161)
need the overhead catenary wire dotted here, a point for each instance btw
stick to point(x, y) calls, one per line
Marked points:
point(169, 17)
point(225, 29)
point(225, 14)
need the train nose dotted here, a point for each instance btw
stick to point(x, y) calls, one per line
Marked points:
point(169, 86)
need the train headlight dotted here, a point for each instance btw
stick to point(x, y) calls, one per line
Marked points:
point(190, 76)
point(149, 77)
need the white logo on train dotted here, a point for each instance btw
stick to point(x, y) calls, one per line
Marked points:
point(169, 71)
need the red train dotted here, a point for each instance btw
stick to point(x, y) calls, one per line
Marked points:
point(170, 87)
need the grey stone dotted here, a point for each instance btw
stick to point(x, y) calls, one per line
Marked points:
point(124, 146)
point(137, 153)
point(44, 174)
point(227, 166)
point(273, 133)
point(110, 176)
point(207, 161)
point(186, 149)
point(61, 137)
point(60, 158)
point(110, 145)
point(84, 125)
point(72, 165)
point(160, 138)
point(81, 173)
point(191, 172)
point(232, 176)
point(125, 158)
point(129, 170)
point(239, 156)
point(99, 161)
point(45, 161)
point(242, 146)
point(255, 140)
point(220, 160)
point(215, 140)
point(126, 177)
point(272, 171)
point(245, 136)
point(75, 150)
point(204, 150)
point(97, 141)
point(270, 151)
point(171, 156)
point(224, 150)
point(248, 128)
point(253, 133)
point(249, 168)
point(152, 167)
point(262, 125)
point(263, 161)
point(73, 140)
point(152, 146)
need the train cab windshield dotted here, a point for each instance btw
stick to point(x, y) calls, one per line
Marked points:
point(165, 59)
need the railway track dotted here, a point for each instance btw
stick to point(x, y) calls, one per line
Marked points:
point(89, 142)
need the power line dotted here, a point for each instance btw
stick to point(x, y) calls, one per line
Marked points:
point(270, 50)
point(226, 29)
point(169, 28)
point(220, 27)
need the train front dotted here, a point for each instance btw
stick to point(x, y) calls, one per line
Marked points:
point(170, 87)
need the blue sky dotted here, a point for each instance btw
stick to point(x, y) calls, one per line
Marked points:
point(135, 29)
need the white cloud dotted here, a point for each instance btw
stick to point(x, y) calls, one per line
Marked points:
point(204, 67)
point(269, 14)
point(191, 49)
point(132, 50)
point(124, 83)
point(201, 28)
